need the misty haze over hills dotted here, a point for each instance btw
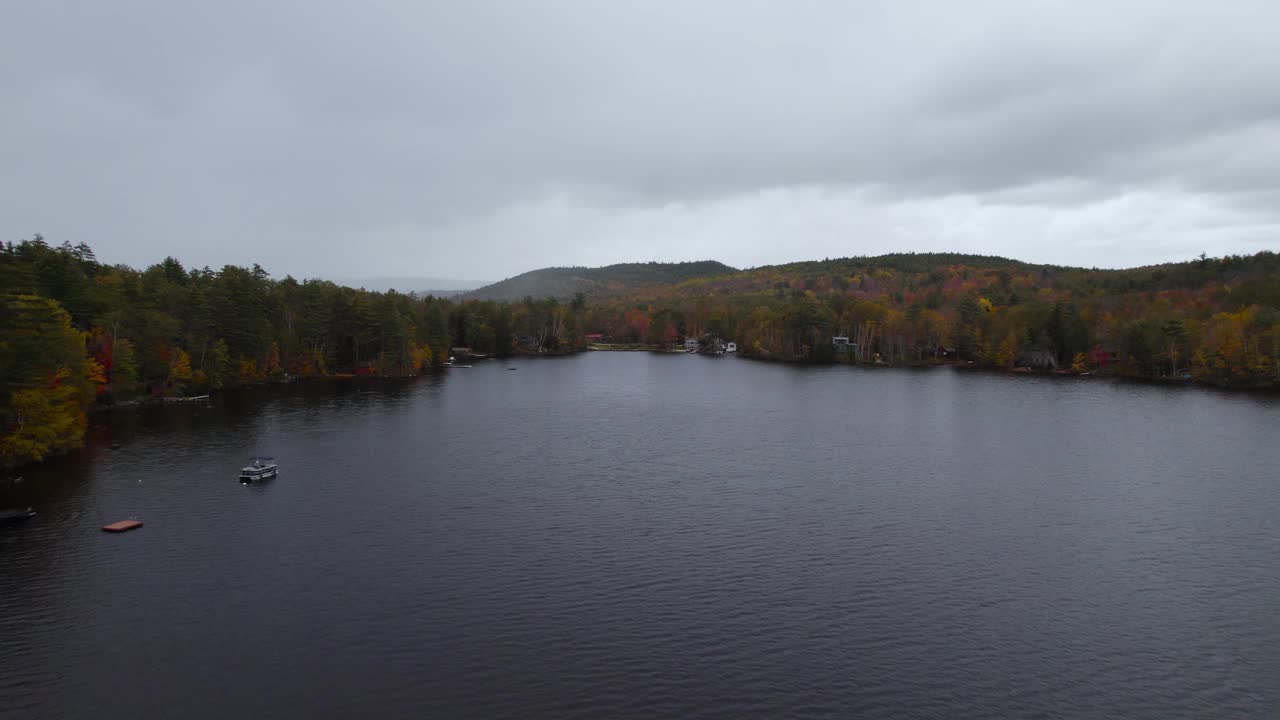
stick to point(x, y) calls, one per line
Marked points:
point(445, 287)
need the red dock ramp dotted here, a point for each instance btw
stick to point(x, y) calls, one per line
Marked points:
point(122, 526)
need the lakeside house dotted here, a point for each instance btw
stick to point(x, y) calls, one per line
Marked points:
point(841, 343)
point(1104, 357)
point(731, 347)
point(691, 344)
point(1037, 359)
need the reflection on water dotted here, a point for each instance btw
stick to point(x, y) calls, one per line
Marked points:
point(646, 535)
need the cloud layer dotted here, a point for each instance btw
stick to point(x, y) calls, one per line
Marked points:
point(484, 139)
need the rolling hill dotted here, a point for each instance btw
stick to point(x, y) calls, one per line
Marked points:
point(608, 281)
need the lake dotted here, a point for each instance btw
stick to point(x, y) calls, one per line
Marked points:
point(636, 535)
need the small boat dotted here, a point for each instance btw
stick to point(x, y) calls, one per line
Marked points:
point(16, 515)
point(262, 468)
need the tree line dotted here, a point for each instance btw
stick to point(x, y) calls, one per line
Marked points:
point(1212, 320)
point(75, 332)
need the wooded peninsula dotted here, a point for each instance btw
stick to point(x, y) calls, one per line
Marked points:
point(76, 333)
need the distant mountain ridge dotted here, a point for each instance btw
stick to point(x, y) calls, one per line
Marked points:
point(611, 280)
point(663, 282)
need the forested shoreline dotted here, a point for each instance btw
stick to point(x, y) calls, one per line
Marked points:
point(76, 333)
point(1211, 320)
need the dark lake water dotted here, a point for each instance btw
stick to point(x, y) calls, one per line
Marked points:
point(633, 535)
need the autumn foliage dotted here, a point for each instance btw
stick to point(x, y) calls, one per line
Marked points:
point(49, 379)
point(75, 331)
point(1210, 320)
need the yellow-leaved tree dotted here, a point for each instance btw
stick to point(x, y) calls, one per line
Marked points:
point(46, 380)
point(179, 371)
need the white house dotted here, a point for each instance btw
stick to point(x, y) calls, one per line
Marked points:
point(731, 347)
point(842, 344)
point(691, 344)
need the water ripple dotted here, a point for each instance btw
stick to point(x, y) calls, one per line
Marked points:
point(624, 535)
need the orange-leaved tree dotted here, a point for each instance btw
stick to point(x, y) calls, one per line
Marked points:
point(46, 379)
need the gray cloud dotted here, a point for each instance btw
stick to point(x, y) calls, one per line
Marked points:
point(483, 139)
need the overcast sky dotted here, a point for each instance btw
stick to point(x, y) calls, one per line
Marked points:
point(477, 140)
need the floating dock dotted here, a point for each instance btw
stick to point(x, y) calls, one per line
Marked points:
point(123, 526)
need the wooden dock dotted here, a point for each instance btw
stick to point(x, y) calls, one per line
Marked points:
point(122, 526)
